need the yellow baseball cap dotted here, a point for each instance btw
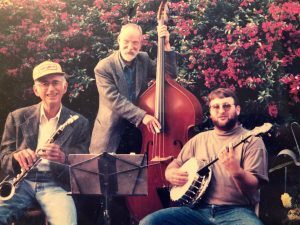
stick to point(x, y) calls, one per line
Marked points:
point(46, 68)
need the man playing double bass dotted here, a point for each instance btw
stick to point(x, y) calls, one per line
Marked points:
point(236, 176)
point(121, 78)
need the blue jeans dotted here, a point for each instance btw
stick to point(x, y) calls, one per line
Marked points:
point(54, 201)
point(203, 215)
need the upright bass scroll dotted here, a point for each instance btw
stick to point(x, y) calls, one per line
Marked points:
point(8, 185)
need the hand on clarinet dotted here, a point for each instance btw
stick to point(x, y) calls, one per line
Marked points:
point(52, 152)
point(152, 124)
point(25, 158)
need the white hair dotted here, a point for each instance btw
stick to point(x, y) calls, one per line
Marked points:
point(131, 25)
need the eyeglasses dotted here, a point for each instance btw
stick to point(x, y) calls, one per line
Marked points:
point(46, 85)
point(226, 107)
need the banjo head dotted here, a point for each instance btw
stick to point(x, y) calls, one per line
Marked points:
point(194, 189)
point(191, 167)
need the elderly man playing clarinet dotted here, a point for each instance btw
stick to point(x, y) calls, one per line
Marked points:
point(32, 134)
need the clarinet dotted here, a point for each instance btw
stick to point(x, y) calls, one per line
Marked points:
point(8, 186)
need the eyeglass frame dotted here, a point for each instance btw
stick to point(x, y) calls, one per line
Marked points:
point(45, 84)
point(225, 106)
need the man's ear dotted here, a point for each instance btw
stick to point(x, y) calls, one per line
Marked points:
point(65, 87)
point(238, 110)
point(119, 39)
point(36, 91)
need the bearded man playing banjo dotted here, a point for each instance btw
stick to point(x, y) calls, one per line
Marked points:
point(235, 178)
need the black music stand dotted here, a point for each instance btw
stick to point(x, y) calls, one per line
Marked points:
point(108, 175)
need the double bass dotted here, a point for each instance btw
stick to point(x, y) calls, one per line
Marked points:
point(178, 111)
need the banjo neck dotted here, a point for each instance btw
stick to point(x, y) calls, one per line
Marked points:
point(255, 132)
point(234, 144)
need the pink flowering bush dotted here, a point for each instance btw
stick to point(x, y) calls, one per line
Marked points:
point(250, 46)
point(34, 31)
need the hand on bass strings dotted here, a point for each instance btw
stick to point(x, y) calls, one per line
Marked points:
point(152, 124)
point(52, 152)
point(176, 176)
point(25, 158)
point(162, 31)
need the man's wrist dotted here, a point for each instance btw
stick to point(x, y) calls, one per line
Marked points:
point(168, 48)
point(168, 174)
point(66, 161)
point(238, 174)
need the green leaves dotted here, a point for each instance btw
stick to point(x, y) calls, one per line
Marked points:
point(249, 46)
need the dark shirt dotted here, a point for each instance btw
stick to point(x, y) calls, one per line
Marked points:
point(129, 72)
point(130, 75)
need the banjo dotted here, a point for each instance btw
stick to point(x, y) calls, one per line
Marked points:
point(200, 173)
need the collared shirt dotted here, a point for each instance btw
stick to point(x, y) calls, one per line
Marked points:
point(46, 130)
point(130, 73)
